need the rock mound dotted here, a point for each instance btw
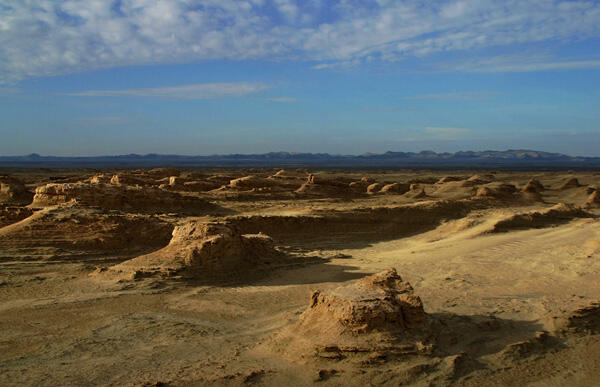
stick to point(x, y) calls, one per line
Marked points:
point(318, 186)
point(497, 191)
point(200, 250)
point(396, 188)
point(448, 179)
point(379, 313)
point(571, 182)
point(533, 186)
point(374, 188)
point(250, 182)
point(159, 173)
point(13, 191)
point(118, 197)
point(594, 200)
point(72, 231)
point(558, 214)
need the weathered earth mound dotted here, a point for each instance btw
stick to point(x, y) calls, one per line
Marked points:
point(118, 197)
point(376, 314)
point(250, 182)
point(447, 179)
point(71, 231)
point(558, 214)
point(13, 191)
point(204, 251)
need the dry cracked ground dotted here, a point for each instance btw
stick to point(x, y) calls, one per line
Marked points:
point(270, 277)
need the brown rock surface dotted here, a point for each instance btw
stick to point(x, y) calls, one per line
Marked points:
point(13, 191)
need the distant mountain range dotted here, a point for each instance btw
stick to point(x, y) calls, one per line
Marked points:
point(513, 159)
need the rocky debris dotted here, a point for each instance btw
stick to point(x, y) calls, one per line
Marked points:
point(397, 188)
point(205, 251)
point(594, 200)
point(13, 191)
point(74, 231)
point(571, 182)
point(497, 191)
point(558, 214)
point(118, 197)
point(9, 215)
point(416, 193)
point(374, 188)
point(538, 344)
point(376, 314)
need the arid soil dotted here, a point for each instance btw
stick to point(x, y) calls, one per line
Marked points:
point(296, 277)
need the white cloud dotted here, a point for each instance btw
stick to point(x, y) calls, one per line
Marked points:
point(49, 37)
point(194, 91)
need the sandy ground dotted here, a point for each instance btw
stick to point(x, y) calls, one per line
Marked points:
point(499, 296)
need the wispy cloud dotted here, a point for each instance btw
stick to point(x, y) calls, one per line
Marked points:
point(458, 96)
point(49, 37)
point(521, 64)
point(283, 99)
point(194, 91)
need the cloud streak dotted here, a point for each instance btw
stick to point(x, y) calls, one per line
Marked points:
point(193, 91)
point(50, 37)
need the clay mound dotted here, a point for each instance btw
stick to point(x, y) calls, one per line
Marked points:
point(396, 188)
point(118, 197)
point(379, 313)
point(290, 180)
point(448, 179)
point(570, 183)
point(9, 215)
point(497, 191)
point(72, 231)
point(291, 174)
point(250, 182)
point(204, 251)
point(533, 186)
point(594, 200)
point(582, 321)
point(558, 214)
point(13, 191)
point(374, 188)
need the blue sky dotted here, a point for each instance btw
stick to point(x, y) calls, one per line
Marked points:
point(92, 77)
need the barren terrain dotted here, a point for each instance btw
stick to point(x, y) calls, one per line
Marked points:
point(275, 277)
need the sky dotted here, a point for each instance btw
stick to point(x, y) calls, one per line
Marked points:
point(199, 77)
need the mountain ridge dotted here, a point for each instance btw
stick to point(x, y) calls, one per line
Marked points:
point(426, 158)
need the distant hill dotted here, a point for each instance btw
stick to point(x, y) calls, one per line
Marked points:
point(512, 159)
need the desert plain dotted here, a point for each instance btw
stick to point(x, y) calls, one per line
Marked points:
point(177, 277)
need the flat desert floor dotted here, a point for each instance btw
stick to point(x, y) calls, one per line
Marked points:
point(292, 277)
